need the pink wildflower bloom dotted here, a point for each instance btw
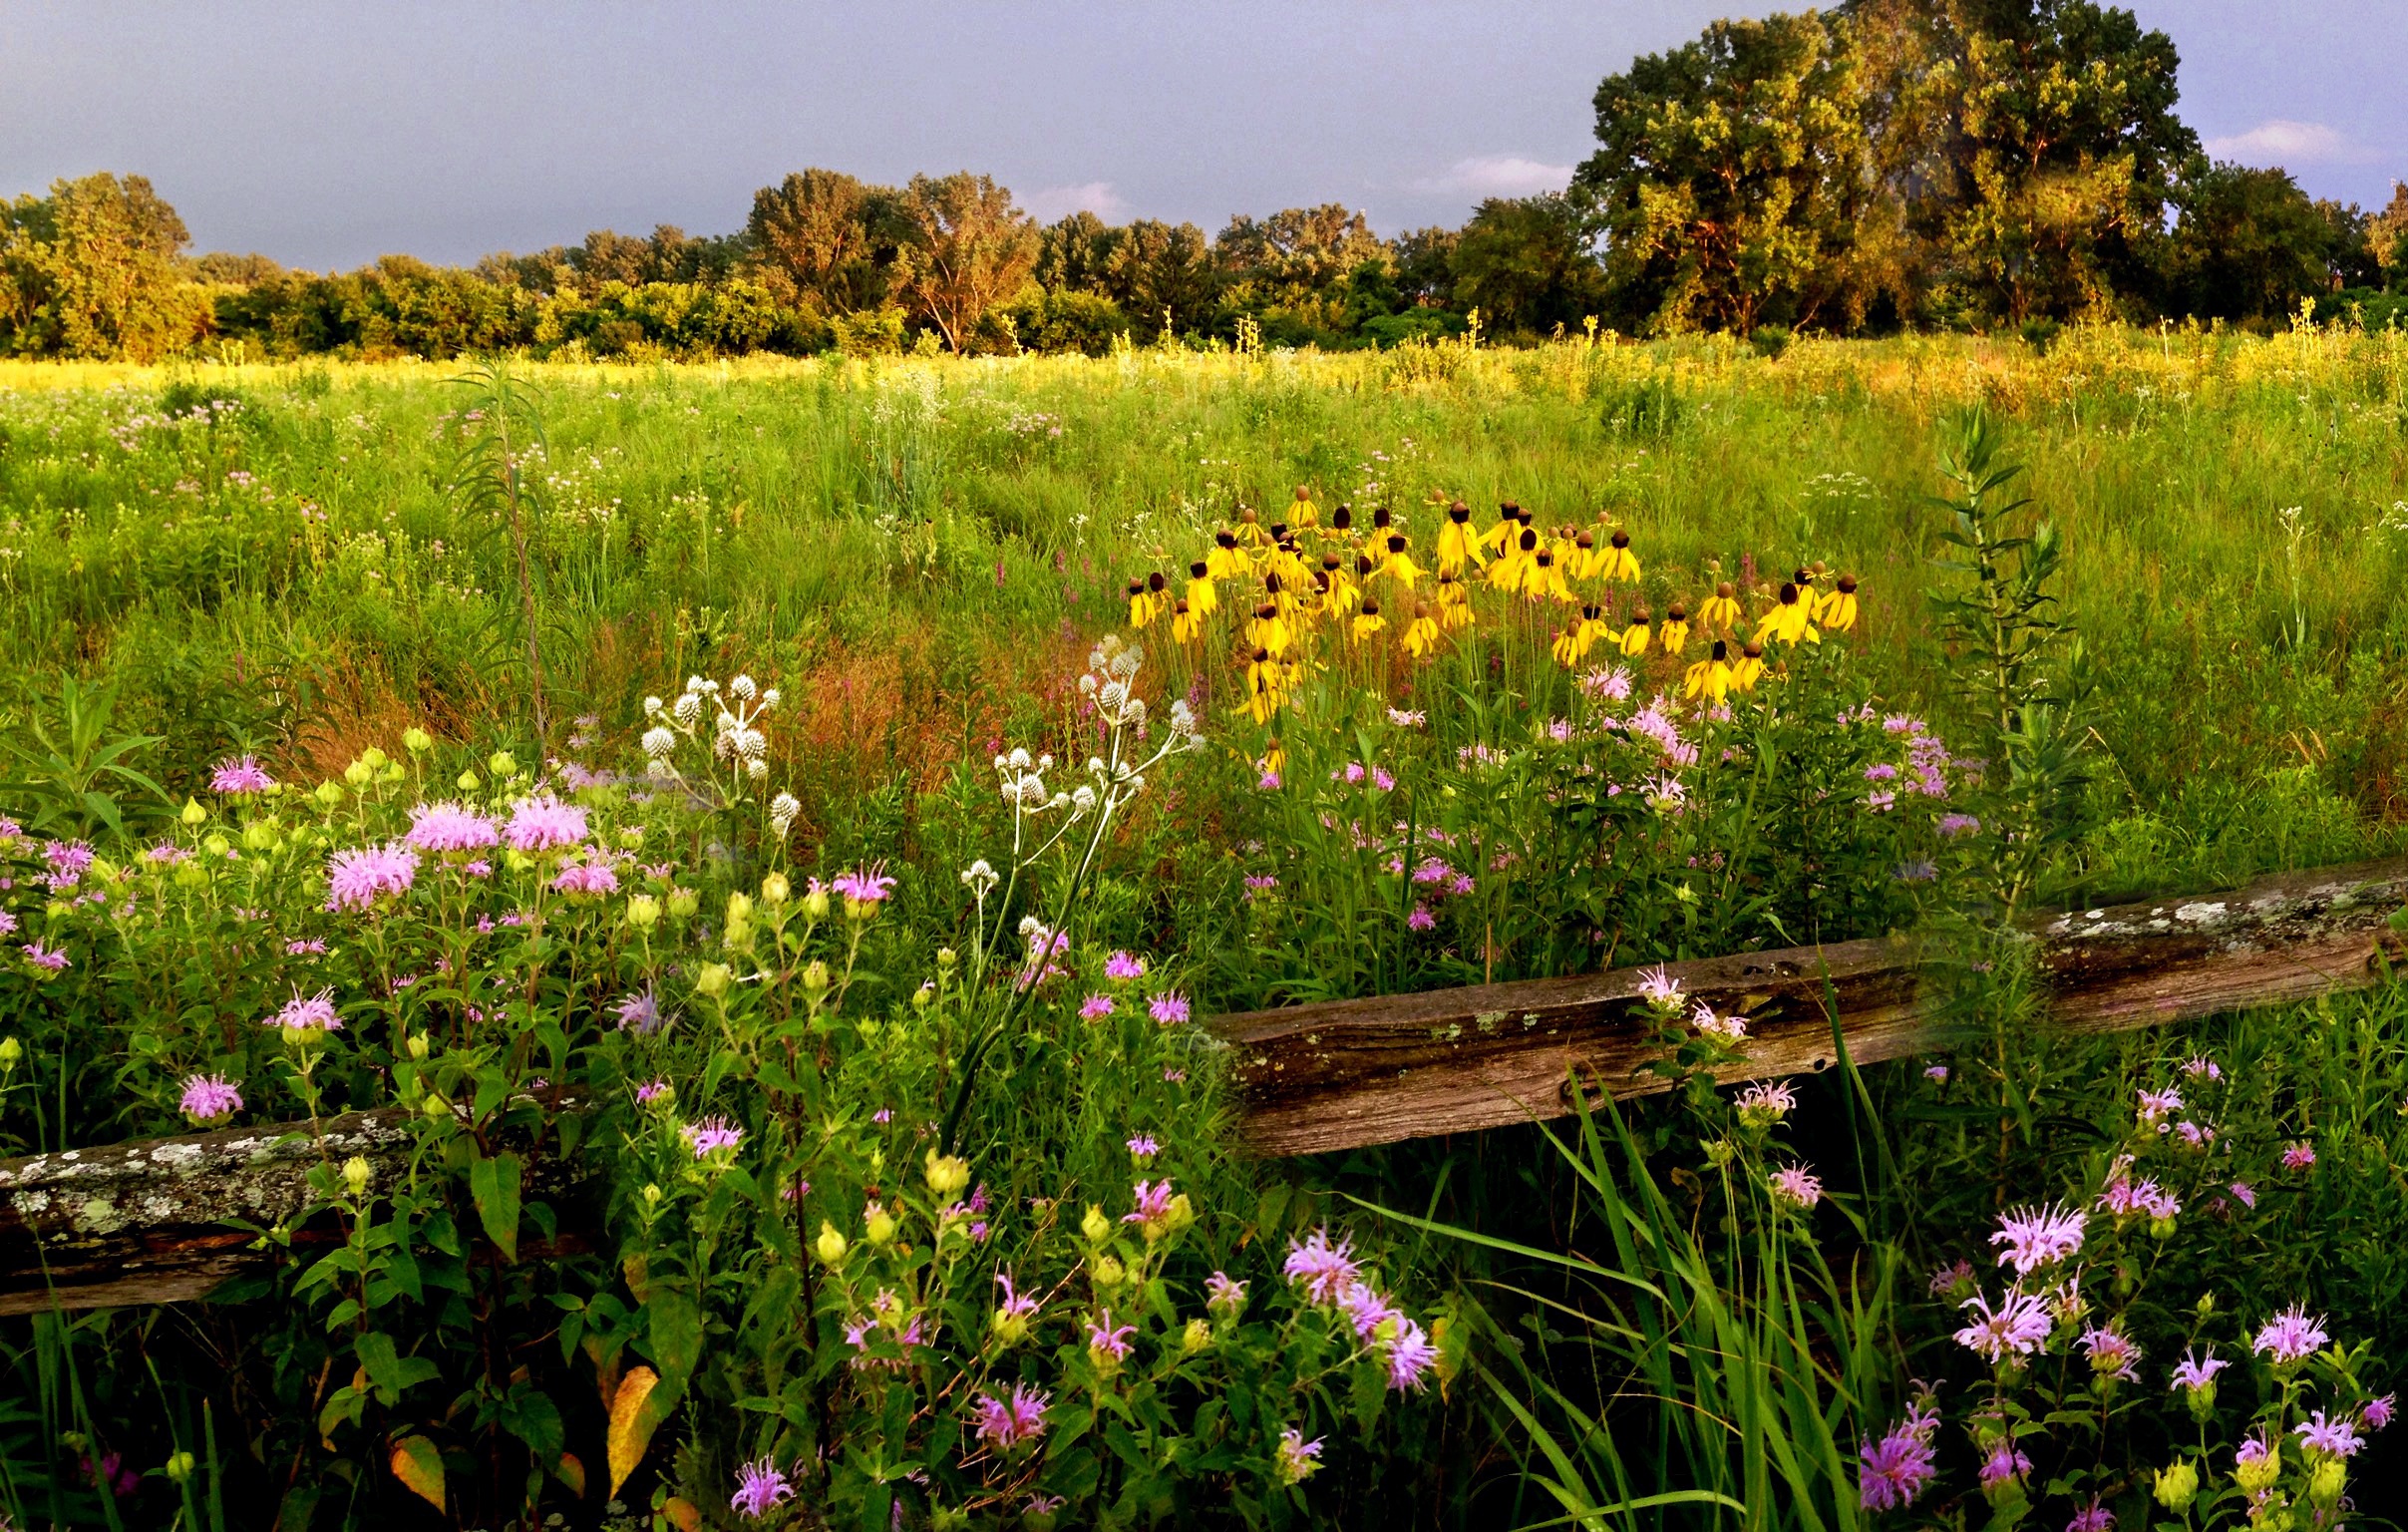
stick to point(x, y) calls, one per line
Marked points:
point(1953, 825)
point(2195, 1135)
point(1352, 773)
point(2031, 1237)
point(1174, 1077)
point(1731, 1028)
point(1937, 1073)
point(1226, 1297)
point(310, 1014)
point(1096, 1007)
point(2017, 1327)
point(759, 1486)
point(1018, 1304)
point(1421, 919)
point(544, 823)
point(2339, 1438)
point(1144, 1147)
point(639, 1012)
point(2299, 1156)
point(1121, 966)
point(1793, 1185)
point(1894, 1471)
point(357, 879)
point(1770, 1102)
point(868, 886)
point(1005, 1423)
point(1169, 1008)
point(1109, 1339)
point(1152, 1201)
point(242, 774)
point(1381, 780)
point(883, 1115)
point(209, 1098)
point(2244, 1194)
point(437, 828)
point(2125, 1195)
point(1659, 988)
point(311, 948)
point(1297, 1459)
point(2093, 1517)
point(54, 960)
point(2156, 1106)
point(2110, 1354)
point(2198, 1372)
point(1946, 1278)
point(2003, 1463)
point(1367, 1309)
point(587, 879)
point(1323, 1270)
point(2378, 1412)
point(710, 1136)
point(1410, 1356)
point(646, 1094)
point(2202, 1068)
point(2290, 1336)
point(1269, 781)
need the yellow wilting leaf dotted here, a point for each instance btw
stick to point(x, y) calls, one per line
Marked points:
point(572, 1472)
point(419, 1466)
point(683, 1515)
point(630, 1425)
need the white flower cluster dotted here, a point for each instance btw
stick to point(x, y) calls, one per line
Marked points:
point(1024, 782)
point(737, 738)
point(1112, 667)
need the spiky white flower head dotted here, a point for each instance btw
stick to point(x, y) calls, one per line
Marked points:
point(1087, 685)
point(770, 697)
point(1030, 924)
point(651, 706)
point(979, 878)
point(1112, 694)
point(1083, 800)
point(756, 769)
point(743, 689)
point(659, 741)
point(782, 812)
point(660, 769)
point(688, 708)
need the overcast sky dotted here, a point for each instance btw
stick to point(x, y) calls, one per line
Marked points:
point(325, 134)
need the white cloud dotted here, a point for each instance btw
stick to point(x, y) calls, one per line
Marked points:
point(1497, 175)
point(2280, 141)
point(1048, 203)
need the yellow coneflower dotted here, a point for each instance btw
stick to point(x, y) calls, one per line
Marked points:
point(1338, 590)
point(1750, 669)
point(1720, 613)
point(1342, 518)
point(1586, 561)
point(1263, 675)
point(1302, 510)
point(1620, 562)
point(1420, 634)
point(1710, 677)
point(1185, 621)
point(1144, 601)
point(1457, 547)
point(1675, 635)
point(1368, 620)
point(1568, 647)
point(1274, 758)
point(1543, 577)
point(1269, 630)
point(1454, 603)
point(1399, 564)
point(1249, 528)
point(1509, 525)
point(1789, 621)
point(1202, 600)
point(1837, 610)
point(1224, 562)
point(1510, 572)
point(1633, 642)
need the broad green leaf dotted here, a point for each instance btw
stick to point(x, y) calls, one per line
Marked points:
point(494, 1184)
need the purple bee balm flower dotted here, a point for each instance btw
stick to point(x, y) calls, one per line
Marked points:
point(656, 1090)
point(2030, 1238)
point(1174, 1077)
point(1297, 1459)
point(1367, 1309)
point(2244, 1194)
point(1421, 919)
point(1937, 1073)
point(1005, 1423)
point(2338, 1437)
point(242, 775)
point(1953, 825)
point(210, 1099)
point(866, 886)
point(1381, 780)
point(2299, 1156)
point(1945, 1279)
point(2093, 1517)
point(2112, 1354)
point(2379, 1413)
point(1144, 1147)
point(2202, 1068)
point(1269, 781)
point(2003, 1463)
point(1019, 1306)
point(759, 1486)
point(710, 1136)
point(1410, 1356)
point(308, 1014)
point(8, 923)
point(67, 859)
point(588, 879)
point(441, 827)
point(1096, 1007)
point(2017, 1327)
point(1121, 966)
point(1793, 1185)
point(544, 823)
point(2198, 1373)
point(1659, 988)
point(357, 879)
point(2159, 1104)
point(1108, 1339)
point(639, 1012)
point(2290, 1336)
point(1169, 1008)
point(1323, 1270)
point(1724, 1029)
point(1897, 1470)
point(1226, 1298)
point(1152, 1201)
point(54, 960)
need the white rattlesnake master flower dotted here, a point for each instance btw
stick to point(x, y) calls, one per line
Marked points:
point(651, 706)
point(1087, 685)
point(756, 769)
point(979, 878)
point(659, 741)
point(770, 699)
point(741, 689)
point(1083, 800)
point(1113, 693)
point(660, 769)
point(782, 812)
point(688, 708)
point(1030, 924)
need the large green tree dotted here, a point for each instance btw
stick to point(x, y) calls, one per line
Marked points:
point(92, 271)
point(826, 241)
point(1527, 264)
point(968, 248)
point(2250, 245)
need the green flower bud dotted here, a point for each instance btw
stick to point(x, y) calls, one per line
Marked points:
point(878, 1225)
point(358, 774)
point(418, 1047)
point(11, 1050)
point(194, 814)
point(502, 763)
point(831, 1245)
point(643, 912)
point(1198, 1336)
point(775, 890)
point(815, 975)
point(467, 782)
point(417, 740)
point(947, 1174)
point(179, 1467)
point(2176, 1485)
point(814, 904)
point(330, 793)
point(356, 1175)
point(374, 759)
point(1106, 1272)
point(2325, 1480)
point(1095, 1225)
point(714, 978)
point(683, 903)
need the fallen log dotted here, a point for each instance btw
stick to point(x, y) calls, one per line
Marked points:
point(1346, 1074)
point(158, 1221)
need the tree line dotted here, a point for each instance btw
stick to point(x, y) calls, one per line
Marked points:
point(1975, 164)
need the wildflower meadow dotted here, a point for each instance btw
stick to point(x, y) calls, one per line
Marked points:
point(729, 877)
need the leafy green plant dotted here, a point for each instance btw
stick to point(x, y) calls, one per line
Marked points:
point(78, 775)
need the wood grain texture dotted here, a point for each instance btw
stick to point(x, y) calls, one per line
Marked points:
point(158, 1221)
point(1349, 1073)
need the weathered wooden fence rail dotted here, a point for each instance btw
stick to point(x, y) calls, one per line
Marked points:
point(148, 1222)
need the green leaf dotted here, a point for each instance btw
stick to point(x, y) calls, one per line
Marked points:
point(674, 1327)
point(495, 1186)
